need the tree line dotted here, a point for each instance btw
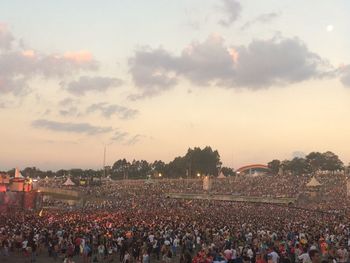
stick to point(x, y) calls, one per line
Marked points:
point(311, 163)
point(195, 162)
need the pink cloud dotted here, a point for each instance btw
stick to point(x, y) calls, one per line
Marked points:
point(81, 56)
point(19, 65)
point(28, 53)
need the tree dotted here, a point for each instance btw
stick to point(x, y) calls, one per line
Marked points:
point(331, 162)
point(29, 172)
point(120, 169)
point(327, 161)
point(11, 172)
point(61, 173)
point(177, 167)
point(158, 167)
point(274, 166)
point(299, 166)
point(204, 161)
point(227, 171)
point(285, 165)
point(315, 160)
point(76, 172)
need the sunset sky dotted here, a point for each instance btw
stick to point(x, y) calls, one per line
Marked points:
point(256, 80)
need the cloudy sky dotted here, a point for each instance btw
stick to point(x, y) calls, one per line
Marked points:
point(256, 80)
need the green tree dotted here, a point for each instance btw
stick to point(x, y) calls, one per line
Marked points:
point(120, 169)
point(157, 167)
point(331, 162)
point(299, 166)
point(76, 172)
point(61, 173)
point(274, 166)
point(177, 167)
point(285, 165)
point(204, 161)
point(315, 160)
point(227, 171)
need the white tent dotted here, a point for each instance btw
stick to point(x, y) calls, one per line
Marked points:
point(313, 182)
point(68, 182)
point(18, 174)
point(221, 176)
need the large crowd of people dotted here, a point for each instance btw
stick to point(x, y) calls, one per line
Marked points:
point(134, 221)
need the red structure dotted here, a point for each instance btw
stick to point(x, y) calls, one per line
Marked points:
point(17, 193)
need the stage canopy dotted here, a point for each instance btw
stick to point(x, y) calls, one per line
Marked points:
point(69, 182)
point(313, 182)
point(221, 176)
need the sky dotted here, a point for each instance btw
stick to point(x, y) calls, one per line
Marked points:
point(256, 80)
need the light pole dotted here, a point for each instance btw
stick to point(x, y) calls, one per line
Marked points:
point(104, 158)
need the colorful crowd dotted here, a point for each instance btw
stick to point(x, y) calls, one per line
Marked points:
point(134, 221)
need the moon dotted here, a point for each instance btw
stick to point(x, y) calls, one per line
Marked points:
point(330, 28)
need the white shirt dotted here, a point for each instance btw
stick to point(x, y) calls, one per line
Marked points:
point(119, 240)
point(24, 244)
point(176, 242)
point(305, 258)
point(274, 256)
point(250, 253)
point(151, 238)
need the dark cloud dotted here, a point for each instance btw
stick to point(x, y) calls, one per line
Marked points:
point(70, 127)
point(262, 19)
point(70, 111)
point(261, 64)
point(277, 62)
point(127, 139)
point(134, 139)
point(152, 71)
point(232, 10)
point(119, 136)
point(87, 84)
point(205, 62)
point(107, 110)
